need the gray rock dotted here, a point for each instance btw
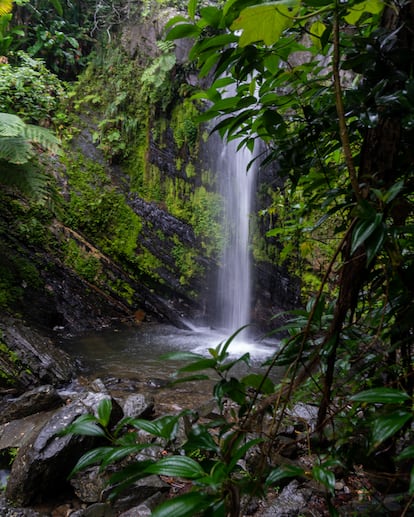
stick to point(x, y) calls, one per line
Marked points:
point(43, 464)
point(290, 502)
point(42, 398)
point(145, 509)
point(95, 510)
point(29, 358)
point(89, 484)
point(138, 406)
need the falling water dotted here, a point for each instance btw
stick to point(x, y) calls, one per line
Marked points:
point(234, 291)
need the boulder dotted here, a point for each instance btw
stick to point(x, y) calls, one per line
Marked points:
point(42, 465)
point(41, 398)
point(28, 358)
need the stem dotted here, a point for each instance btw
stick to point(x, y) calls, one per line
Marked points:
point(343, 130)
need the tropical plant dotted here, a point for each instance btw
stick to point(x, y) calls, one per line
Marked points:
point(19, 144)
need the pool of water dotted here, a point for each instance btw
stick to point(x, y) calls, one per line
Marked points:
point(137, 354)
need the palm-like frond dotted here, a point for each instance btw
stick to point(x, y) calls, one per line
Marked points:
point(43, 137)
point(5, 6)
point(15, 149)
point(10, 125)
point(17, 168)
point(27, 178)
point(16, 139)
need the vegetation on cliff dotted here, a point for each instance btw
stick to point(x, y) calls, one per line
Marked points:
point(327, 87)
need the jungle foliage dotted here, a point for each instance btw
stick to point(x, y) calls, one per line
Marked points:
point(328, 87)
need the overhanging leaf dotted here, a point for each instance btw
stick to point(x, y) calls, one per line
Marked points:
point(265, 22)
point(381, 395)
point(5, 6)
point(387, 425)
point(358, 9)
point(363, 229)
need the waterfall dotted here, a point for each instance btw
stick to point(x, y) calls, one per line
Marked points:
point(234, 289)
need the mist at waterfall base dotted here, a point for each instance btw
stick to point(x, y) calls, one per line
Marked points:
point(137, 352)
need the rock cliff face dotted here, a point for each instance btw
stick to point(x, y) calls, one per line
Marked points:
point(139, 236)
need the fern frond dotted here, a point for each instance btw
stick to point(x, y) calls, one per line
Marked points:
point(10, 125)
point(43, 137)
point(15, 149)
point(27, 178)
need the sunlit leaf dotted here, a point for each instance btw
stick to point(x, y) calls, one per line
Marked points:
point(265, 22)
point(5, 6)
point(358, 9)
point(384, 395)
point(316, 31)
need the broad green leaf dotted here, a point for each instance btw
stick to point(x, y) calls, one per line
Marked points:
point(374, 242)
point(177, 466)
point(182, 30)
point(182, 356)
point(241, 451)
point(186, 505)
point(175, 20)
point(387, 425)
point(119, 453)
point(316, 31)
point(258, 381)
point(104, 411)
point(58, 6)
point(285, 471)
point(91, 458)
point(406, 454)
point(325, 476)
point(363, 229)
point(393, 191)
point(164, 427)
point(211, 15)
point(192, 4)
point(384, 395)
point(201, 364)
point(367, 6)
point(265, 22)
point(85, 425)
point(200, 438)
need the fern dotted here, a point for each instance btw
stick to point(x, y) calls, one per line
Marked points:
point(10, 125)
point(17, 167)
